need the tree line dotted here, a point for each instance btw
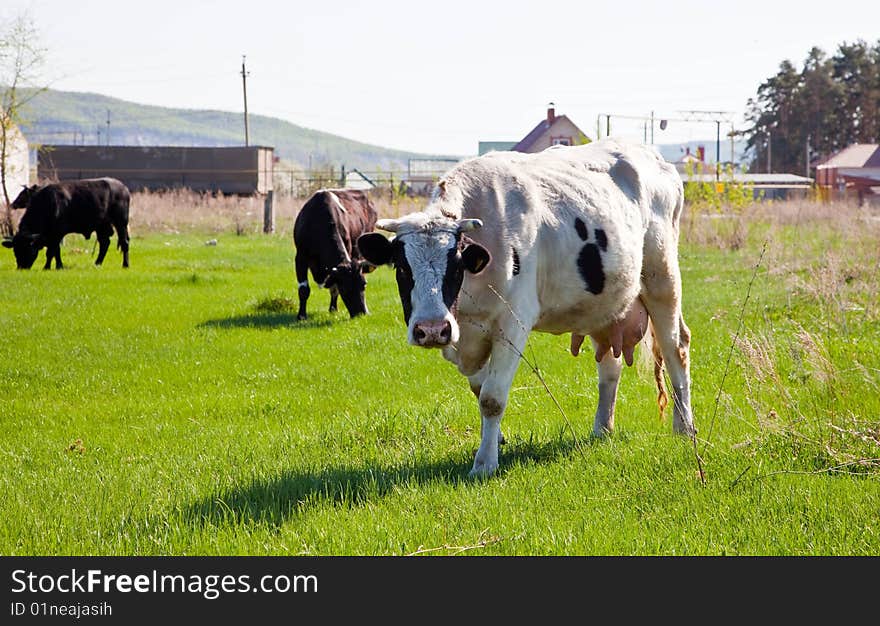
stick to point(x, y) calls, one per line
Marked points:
point(798, 117)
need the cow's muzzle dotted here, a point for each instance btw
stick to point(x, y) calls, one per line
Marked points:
point(432, 334)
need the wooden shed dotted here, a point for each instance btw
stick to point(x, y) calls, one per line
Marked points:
point(236, 170)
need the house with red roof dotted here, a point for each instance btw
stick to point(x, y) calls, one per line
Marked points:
point(553, 130)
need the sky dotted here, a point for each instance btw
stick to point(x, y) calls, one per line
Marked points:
point(438, 77)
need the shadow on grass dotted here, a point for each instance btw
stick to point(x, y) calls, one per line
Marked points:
point(294, 492)
point(268, 321)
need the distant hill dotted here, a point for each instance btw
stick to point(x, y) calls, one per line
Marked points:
point(66, 117)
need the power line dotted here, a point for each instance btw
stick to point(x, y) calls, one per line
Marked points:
point(717, 117)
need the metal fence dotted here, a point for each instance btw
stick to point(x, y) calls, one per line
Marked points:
point(302, 183)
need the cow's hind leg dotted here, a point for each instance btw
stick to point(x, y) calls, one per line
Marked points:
point(609, 379)
point(302, 278)
point(661, 295)
point(103, 243)
point(507, 350)
point(122, 241)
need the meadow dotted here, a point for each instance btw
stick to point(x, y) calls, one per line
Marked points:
point(179, 408)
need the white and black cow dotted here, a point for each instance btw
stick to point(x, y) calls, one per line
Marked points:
point(580, 240)
point(325, 235)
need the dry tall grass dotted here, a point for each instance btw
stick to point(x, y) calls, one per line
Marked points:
point(186, 211)
point(801, 367)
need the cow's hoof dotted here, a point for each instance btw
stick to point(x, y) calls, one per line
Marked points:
point(302, 317)
point(483, 469)
point(332, 309)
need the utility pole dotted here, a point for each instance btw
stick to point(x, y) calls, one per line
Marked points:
point(652, 128)
point(769, 150)
point(108, 127)
point(732, 149)
point(807, 158)
point(712, 116)
point(244, 75)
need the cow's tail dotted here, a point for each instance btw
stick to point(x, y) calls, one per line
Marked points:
point(651, 355)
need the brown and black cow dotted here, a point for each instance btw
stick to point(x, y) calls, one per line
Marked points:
point(93, 205)
point(325, 235)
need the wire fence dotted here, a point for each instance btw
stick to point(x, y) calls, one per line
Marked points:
point(302, 183)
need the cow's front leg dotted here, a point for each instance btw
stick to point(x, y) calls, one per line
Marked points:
point(53, 251)
point(476, 384)
point(609, 378)
point(507, 349)
point(302, 277)
point(334, 294)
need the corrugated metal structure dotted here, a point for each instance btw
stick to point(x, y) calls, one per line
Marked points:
point(766, 186)
point(241, 170)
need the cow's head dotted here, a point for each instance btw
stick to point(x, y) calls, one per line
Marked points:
point(24, 197)
point(430, 256)
point(348, 279)
point(26, 247)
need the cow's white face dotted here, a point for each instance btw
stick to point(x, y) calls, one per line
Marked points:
point(430, 257)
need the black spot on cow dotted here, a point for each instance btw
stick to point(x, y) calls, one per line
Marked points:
point(515, 262)
point(601, 239)
point(589, 261)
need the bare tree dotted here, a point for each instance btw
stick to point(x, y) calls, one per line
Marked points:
point(21, 58)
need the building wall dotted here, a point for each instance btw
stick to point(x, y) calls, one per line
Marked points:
point(17, 163)
point(231, 170)
point(562, 127)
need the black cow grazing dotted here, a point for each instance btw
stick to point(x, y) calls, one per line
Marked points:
point(325, 235)
point(96, 205)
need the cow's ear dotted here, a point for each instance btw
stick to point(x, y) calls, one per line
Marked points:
point(367, 267)
point(7, 243)
point(475, 258)
point(331, 278)
point(375, 248)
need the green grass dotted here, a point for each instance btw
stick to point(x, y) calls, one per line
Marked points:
point(178, 408)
